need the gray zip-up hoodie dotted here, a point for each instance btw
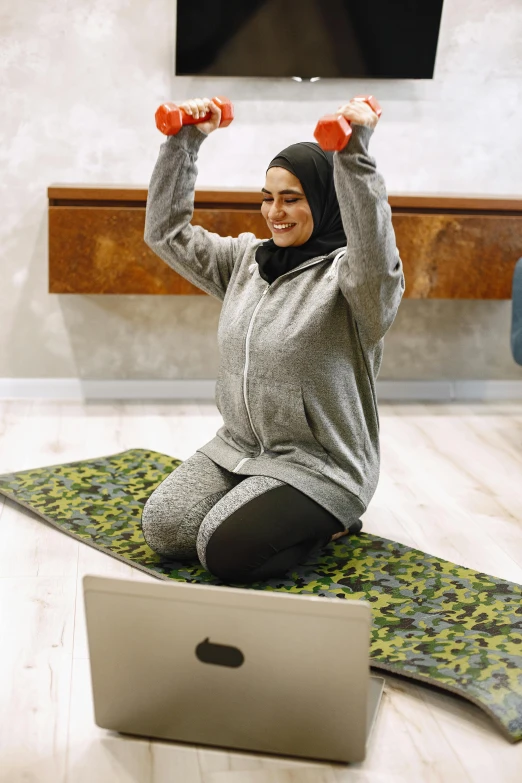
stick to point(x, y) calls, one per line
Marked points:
point(298, 358)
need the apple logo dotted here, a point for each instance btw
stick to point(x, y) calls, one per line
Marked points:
point(220, 654)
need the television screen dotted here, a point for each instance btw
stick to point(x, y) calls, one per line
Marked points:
point(381, 39)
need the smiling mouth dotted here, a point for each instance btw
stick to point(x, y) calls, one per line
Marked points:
point(286, 227)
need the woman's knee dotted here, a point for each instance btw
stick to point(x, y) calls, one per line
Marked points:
point(228, 558)
point(170, 526)
point(228, 531)
point(174, 511)
point(159, 524)
point(262, 529)
point(246, 561)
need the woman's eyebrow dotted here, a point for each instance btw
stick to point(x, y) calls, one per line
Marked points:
point(284, 192)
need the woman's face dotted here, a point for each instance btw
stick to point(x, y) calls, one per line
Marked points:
point(286, 209)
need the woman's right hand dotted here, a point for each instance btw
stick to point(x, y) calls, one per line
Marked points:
point(197, 107)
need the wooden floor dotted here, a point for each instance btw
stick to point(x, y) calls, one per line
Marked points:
point(450, 484)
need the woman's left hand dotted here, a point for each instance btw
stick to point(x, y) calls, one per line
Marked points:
point(359, 112)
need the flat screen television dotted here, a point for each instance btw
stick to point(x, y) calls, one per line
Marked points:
point(380, 39)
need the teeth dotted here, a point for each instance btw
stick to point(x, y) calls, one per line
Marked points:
point(282, 225)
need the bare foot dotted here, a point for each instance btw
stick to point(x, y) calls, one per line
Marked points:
point(339, 535)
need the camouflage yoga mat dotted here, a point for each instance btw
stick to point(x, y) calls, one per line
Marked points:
point(433, 621)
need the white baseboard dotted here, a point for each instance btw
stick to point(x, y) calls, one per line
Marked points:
point(77, 389)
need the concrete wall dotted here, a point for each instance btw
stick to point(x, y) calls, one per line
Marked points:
point(79, 85)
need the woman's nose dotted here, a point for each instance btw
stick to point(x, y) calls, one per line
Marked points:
point(276, 213)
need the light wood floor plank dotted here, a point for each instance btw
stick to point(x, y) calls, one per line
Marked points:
point(272, 776)
point(17, 452)
point(421, 475)
point(37, 621)
point(30, 546)
point(450, 484)
point(482, 752)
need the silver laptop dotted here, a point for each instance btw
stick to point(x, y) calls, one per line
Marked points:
point(233, 667)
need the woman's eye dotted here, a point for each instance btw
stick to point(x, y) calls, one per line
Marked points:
point(287, 200)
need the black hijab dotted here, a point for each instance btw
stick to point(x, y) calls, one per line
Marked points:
point(313, 167)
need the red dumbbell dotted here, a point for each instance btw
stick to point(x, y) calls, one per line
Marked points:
point(333, 131)
point(170, 118)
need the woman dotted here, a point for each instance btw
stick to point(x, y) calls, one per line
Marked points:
point(301, 331)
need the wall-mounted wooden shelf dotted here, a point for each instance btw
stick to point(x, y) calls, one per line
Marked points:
point(451, 246)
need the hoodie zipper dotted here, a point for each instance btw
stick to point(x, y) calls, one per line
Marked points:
point(245, 371)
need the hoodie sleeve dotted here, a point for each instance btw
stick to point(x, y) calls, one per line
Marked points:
point(204, 258)
point(370, 274)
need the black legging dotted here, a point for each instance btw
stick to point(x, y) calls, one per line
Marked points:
point(284, 526)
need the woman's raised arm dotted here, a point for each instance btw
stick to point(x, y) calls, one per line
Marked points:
point(202, 257)
point(370, 274)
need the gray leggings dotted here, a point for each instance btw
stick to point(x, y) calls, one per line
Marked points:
point(241, 528)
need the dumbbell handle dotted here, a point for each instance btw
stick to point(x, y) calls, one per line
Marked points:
point(333, 131)
point(170, 117)
point(372, 101)
point(189, 119)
